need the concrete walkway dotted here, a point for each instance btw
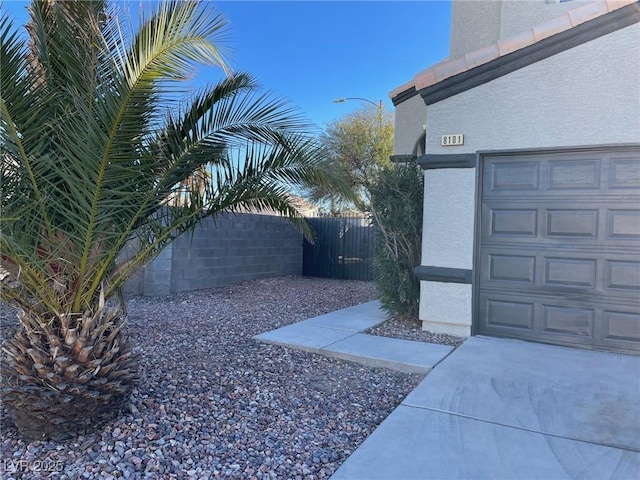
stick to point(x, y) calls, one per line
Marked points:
point(492, 409)
point(338, 334)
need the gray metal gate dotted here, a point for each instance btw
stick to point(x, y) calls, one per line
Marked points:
point(343, 249)
point(559, 253)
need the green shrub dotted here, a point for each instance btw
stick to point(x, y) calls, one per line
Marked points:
point(396, 206)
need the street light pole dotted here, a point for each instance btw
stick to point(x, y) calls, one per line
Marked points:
point(344, 99)
point(377, 104)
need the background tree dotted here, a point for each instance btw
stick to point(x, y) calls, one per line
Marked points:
point(97, 142)
point(358, 145)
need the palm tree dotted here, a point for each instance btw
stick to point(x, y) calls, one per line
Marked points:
point(96, 140)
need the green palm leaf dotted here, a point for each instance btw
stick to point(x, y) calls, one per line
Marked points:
point(105, 160)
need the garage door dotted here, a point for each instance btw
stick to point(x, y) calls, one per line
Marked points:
point(559, 253)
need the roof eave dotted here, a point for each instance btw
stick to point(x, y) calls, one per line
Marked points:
point(541, 49)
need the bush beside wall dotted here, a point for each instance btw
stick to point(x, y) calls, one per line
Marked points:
point(396, 205)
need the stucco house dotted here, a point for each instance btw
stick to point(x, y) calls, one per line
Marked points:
point(529, 137)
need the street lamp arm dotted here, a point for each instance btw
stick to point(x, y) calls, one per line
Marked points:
point(377, 104)
point(344, 99)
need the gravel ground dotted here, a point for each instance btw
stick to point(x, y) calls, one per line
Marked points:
point(412, 330)
point(213, 403)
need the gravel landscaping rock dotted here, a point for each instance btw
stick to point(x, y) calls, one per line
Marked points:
point(213, 403)
point(412, 330)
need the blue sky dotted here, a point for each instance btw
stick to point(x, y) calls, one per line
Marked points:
point(313, 52)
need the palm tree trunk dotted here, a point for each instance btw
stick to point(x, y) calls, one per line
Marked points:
point(63, 376)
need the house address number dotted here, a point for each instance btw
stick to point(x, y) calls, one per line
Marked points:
point(452, 140)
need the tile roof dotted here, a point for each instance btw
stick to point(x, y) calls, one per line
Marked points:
point(451, 67)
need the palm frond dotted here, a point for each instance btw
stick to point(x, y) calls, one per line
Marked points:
point(101, 168)
point(104, 157)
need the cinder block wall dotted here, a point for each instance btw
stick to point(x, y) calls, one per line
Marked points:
point(230, 249)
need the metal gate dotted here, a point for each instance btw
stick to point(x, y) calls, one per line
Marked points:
point(343, 249)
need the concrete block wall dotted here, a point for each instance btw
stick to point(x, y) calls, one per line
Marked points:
point(222, 251)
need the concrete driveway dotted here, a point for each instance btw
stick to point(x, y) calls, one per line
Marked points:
point(508, 409)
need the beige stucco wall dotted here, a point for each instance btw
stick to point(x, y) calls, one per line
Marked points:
point(518, 15)
point(474, 24)
point(447, 241)
point(587, 95)
point(478, 23)
point(408, 134)
point(449, 201)
point(452, 316)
